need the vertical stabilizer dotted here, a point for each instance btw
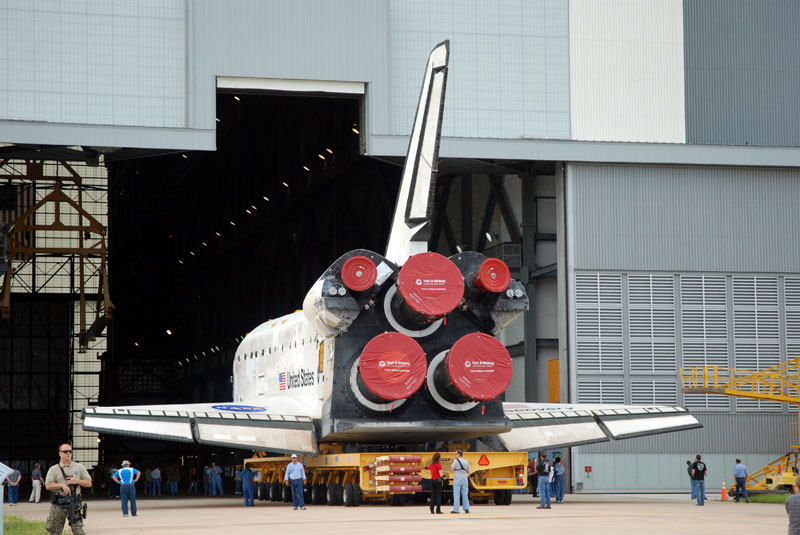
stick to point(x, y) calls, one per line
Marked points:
point(411, 224)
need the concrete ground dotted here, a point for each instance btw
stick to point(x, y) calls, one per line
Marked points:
point(580, 514)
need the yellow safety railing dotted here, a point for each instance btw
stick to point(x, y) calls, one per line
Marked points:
point(778, 383)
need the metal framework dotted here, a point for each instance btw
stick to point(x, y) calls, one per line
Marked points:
point(779, 383)
point(89, 232)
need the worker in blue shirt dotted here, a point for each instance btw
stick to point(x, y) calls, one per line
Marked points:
point(247, 485)
point(296, 478)
point(127, 477)
point(216, 480)
point(740, 474)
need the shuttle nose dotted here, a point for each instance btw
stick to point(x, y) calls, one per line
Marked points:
point(392, 366)
point(430, 285)
point(477, 367)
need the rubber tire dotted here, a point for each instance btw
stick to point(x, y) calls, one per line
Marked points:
point(356, 494)
point(509, 495)
point(339, 494)
point(318, 494)
point(500, 496)
point(347, 495)
point(262, 492)
point(330, 494)
point(287, 493)
point(307, 494)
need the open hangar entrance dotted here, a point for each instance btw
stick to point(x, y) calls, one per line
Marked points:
point(205, 246)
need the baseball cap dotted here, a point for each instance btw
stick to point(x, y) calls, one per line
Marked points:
point(126, 463)
point(294, 456)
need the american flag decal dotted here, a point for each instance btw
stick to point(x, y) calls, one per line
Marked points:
point(282, 381)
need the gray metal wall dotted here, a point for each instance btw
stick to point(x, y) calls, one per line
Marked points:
point(658, 463)
point(684, 218)
point(742, 72)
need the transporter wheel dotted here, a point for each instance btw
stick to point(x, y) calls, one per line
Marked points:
point(287, 493)
point(272, 492)
point(499, 497)
point(339, 494)
point(330, 494)
point(356, 494)
point(261, 491)
point(307, 494)
point(318, 494)
point(347, 495)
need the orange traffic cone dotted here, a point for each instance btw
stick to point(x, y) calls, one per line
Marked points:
point(724, 496)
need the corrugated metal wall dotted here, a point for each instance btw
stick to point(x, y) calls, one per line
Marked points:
point(742, 72)
point(626, 70)
point(684, 218)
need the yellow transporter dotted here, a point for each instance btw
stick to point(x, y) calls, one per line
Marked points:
point(336, 478)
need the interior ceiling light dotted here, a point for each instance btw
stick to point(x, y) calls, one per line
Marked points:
point(329, 151)
point(236, 98)
point(320, 156)
point(285, 184)
point(247, 210)
point(218, 119)
point(265, 198)
point(488, 236)
point(136, 344)
point(184, 156)
point(180, 261)
point(306, 168)
point(355, 130)
point(218, 234)
point(459, 249)
point(192, 253)
point(204, 244)
point(232, 223)
point(253, 206)
point(169, 332)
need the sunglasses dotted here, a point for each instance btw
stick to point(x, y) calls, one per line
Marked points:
point(66, 451)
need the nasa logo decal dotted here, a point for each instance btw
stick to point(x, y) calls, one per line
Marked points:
point(238, 408)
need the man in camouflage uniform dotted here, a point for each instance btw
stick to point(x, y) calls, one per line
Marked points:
point(59, 487)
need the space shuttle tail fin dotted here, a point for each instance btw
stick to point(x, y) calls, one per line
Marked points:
point(411, 224)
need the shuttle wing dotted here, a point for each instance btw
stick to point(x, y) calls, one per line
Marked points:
point(238, 425)
point(545, 426)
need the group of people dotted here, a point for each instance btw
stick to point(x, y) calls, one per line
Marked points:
point(549, 475)
point(14, 480)
point(460, 468)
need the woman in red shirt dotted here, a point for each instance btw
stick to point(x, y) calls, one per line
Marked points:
point(436, 484)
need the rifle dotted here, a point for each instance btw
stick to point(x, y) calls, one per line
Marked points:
point(77, 509)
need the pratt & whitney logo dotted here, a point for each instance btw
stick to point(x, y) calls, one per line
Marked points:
point(291, 379)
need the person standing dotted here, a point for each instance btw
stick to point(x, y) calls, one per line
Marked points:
point(295, 478)
point(740, 476)
point(543, 471)
point(192, 482)
point(155, 475)
point(559, 479)
point(248, 489)
point(699, 472)
point(62, 480)
point(237, 486)
point(460, 483)
point(793, 509)
point(436, 484)
point(126, 477)
point(532, 477)
point(691, 479)
point(37, 481)
point(216, 479)
point(13, 480)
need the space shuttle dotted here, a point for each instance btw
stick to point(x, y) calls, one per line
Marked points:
point(397, 348)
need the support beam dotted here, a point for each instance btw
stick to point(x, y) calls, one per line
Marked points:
point(528, 240)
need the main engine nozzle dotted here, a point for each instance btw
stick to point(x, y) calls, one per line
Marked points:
point(429, 286)
point(391, 367)
point(477, 368)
